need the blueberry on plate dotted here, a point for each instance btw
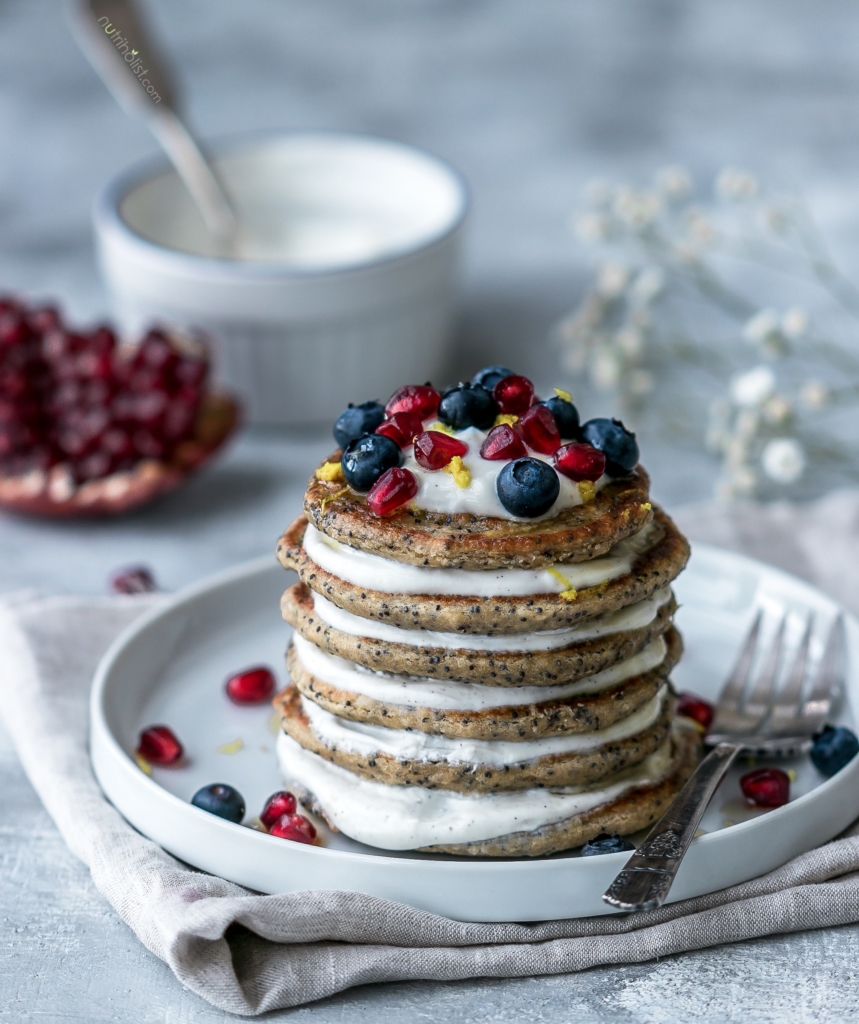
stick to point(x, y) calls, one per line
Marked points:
point(604, 843)
point(222, 800)
point(366, 459)
point(468, 405)
point(833, 747)
point(358, 420)
point(615, 442)
point(527, 487)
point(489, 376)
point(566, 416)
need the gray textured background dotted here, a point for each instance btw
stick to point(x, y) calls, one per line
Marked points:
point(529, 98)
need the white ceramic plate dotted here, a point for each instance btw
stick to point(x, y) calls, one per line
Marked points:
point(170, 666)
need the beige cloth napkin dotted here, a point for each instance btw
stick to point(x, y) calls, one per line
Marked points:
point(247, 953)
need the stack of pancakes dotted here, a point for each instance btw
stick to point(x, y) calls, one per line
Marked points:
point(471, 685)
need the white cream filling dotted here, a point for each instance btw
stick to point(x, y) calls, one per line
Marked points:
point(439, 492)
point(384, 574)
point(413, 692)
point(405, 744)
point(634, 616)
point(408, 817)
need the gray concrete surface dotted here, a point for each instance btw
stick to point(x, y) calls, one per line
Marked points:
point(529, 100)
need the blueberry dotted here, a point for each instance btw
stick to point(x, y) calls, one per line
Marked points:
point(615, 442)
point(566, 416)
point(358, 420)
point(527, 487)
point(468, 405)
point(604, 843)
point(220, 799)
point(489, 376)
point(833, 747)
point(366, 459)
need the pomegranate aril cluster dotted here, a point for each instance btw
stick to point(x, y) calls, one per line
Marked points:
point(78, 399)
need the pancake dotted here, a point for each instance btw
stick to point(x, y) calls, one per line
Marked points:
point(492, 668)
point(333, 739)
point(651, 570)
point(634, 800)
point(465, 541)
point(585, 712)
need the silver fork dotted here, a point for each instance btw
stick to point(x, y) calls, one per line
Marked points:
point(764, 722)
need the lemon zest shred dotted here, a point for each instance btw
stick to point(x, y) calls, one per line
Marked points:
point(331, 472)
point(442, 428)
point(231, 748)
point(505, 419)
point(331, 497)
point(587, 491)
point(570, 594)
point(646, 506)
point(459, 471)
point(143, 764)
point(567, 397)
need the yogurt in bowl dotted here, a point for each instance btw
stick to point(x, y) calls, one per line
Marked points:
point(341, 282)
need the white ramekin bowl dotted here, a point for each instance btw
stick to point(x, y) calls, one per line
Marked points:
point(350, 288)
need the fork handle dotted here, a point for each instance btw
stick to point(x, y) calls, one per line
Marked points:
point(645, 880)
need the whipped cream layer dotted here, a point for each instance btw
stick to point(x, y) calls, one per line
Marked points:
point(409, 817)
point(406, 744)
point(374, 572)
point(634, 616)
point(439, 492)
point(413, 692)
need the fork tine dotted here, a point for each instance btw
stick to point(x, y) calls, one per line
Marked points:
point(829, 676)
point(734, 688)
point(759, 700)
point(787, 707)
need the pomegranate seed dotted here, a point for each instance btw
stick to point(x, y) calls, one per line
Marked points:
point(252, 686)
point(502, 442)
point(766, 787)
point(178, 420)
point(13, 330)
point(147, 445)
point(191, 372)
point(294, 827)
point(156, 352)
point(43, 320)
point(401, 427)
point(150, 408)
point(434, 450)
point(94, 365)
point(158, 745)
point(277, 805)
point(539, 429)
point(93, 467)
point(102, 340)
point(580, 461)
point(137, 579)
point(393, 489)
point(419, 399)
point(691, 706)
point(514, 394)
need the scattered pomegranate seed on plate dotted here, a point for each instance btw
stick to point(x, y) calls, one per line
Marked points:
point(252, 686)
point(540, 430)
point(766, 787)
point(278, 804)
point(137, 579)
point(394, 488)
point(158, 745)
point(294, 827)
point(699, 710)
point(434, 450)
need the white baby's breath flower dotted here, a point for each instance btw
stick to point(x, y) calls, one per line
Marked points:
point(674, 182)
point(783, 460)
point(794, 323)
point(605, 370)
point(748, 424)
point(777, 410)
point(612, 279)
point(814, 394)
point(702, 230)
point(717, 425)
point(753, 388)
point(591, 227)
point(733, 183)
point(649, 284)
point(640, 383)
point(761, 326)
point(637, 209)
point(630, 342)
point(599, 193)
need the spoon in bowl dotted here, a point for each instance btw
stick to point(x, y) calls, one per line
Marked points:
point(114, 39)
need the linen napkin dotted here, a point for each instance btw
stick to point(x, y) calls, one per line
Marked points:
point(246, 953)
